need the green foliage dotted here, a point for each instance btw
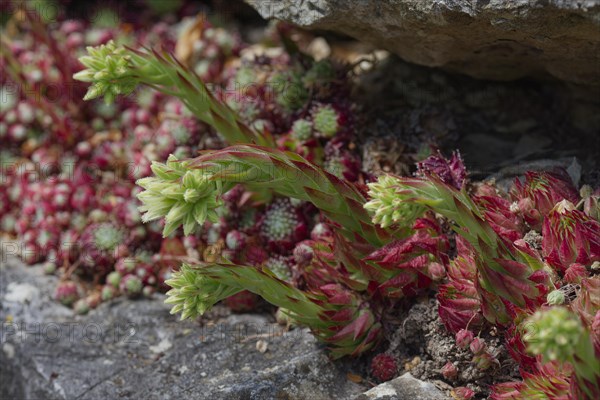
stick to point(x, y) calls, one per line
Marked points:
point(302, 129)
point(335, 316)
point(290, 175)
point(503, 270)
point(289, 90)
point(115, 70)
point(558, 335)
point(320, 72)
point(553, 334)
point(388, 207)
point(107, 237)
point(193, 294)
point(181, 195)
point(326, 121)
point(108, 69)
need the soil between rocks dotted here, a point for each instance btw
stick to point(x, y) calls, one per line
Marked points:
point(422, 345)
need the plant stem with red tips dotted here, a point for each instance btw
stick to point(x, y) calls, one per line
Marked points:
point(335, 315)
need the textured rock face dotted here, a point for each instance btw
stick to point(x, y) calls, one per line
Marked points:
point(404, 387)
point(136, 350)
point(492, 39)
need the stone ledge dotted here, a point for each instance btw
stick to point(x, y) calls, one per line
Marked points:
point(136, 350)
point(497, 39)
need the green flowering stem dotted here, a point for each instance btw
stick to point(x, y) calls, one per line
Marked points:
point(557, 334)
point(188, 192)
point(587, 366)
point(117, 70)
point(285, 173)
point(290, 175)
point(338, 319)
point(402, 200)
point(502, 270)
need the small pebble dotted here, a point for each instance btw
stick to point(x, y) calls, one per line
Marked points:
point(261, 346)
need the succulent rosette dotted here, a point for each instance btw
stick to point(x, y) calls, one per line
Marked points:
point(183, 197)
point(557, 335)
point(587, 306)
point(282, 226)
point(281, 267)
point(459, 305)
point(108, 67)
point(451, 171)
point(517, 348)
point(591, 202)
point(83, 198)
point(99, 247)
point(131, 286)
point(463, 393)
point(553, 334)
point(67, 293)
point(340, 161)
point(570, 236)
point(367, 250)
point(539, 192)
point(302, 130)
point(513, 273)
point(507, 224)
point(384, 367)
point(387, 205)
point(412, 261)
point(326, 120)
point(552, 381)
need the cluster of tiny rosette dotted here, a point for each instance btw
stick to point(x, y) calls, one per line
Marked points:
point(290, 220)
point(67, 184)
point(68, 189)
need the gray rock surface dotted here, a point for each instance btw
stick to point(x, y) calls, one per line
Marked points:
point(128, 349)
point(136, 350)
point(495, 39)
point(405, 387)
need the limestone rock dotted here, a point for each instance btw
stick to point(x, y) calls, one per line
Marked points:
point(405, 387)
point(492, 39)
point(128, 349)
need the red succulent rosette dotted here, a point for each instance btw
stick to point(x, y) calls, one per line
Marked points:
point(570, 236)
point(537, 195)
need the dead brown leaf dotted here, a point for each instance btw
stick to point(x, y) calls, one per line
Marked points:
point(184, 49)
